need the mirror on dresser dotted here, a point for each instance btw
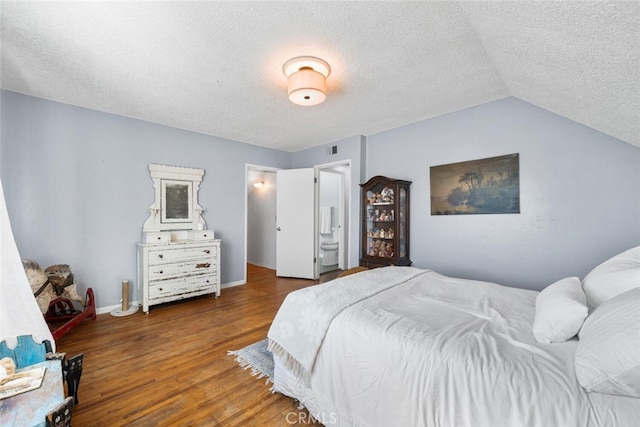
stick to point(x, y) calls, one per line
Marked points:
point(178, 256)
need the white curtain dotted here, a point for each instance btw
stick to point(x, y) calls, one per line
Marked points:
point(19, 312)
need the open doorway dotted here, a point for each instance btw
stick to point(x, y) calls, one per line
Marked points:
point(334, 199)
point(260, 231)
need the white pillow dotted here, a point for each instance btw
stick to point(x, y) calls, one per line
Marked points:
point(560, 311)
point(608, 353)
point(613, 277)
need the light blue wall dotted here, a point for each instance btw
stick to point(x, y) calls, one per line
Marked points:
point(579, 194)
point(77, 187)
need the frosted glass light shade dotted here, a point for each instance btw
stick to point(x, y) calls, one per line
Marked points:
point(307, 87)
point(306, 80)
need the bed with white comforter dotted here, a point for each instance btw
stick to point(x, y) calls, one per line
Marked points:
point(401, 346)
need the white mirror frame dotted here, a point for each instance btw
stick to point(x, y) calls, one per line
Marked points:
point(188, 217)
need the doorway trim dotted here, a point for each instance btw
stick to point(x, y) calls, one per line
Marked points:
point(344, 210)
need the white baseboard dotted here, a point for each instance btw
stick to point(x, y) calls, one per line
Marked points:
point(109, 309)
point(270, 267)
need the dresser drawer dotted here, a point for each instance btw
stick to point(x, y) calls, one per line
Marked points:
point(182, 287)
point(157, 237)
point(168, 255)
point(168, 271)
point(201, 234)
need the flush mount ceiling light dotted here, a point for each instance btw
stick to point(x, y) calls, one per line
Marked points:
point(306, 82)
point(258, 184)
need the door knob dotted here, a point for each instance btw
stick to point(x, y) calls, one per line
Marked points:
point(278, 229)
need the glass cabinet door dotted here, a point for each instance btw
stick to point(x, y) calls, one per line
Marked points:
point(381, 214)
point(402, 223)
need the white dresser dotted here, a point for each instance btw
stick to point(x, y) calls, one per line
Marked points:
point(176, 270)
point(178, 257)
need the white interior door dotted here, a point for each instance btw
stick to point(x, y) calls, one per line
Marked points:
point(295, 223)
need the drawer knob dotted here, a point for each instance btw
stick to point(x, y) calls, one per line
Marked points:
point(161, 271)
point(207, 251)
point(160, 256)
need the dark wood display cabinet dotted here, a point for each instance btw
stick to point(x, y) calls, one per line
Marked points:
point(385, 222)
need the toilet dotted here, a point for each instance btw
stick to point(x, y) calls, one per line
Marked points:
point(329, 248)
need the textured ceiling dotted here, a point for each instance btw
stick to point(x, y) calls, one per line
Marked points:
point(216, 67)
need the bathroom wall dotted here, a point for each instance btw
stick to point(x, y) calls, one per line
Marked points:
point(330, 196)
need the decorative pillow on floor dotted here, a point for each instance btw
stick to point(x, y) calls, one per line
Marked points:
point(608, 354)
point(560, 311)
point(613, 277)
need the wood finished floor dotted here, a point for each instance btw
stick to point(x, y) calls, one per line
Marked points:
point(171, 368)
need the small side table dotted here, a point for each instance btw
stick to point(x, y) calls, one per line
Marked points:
point(32, 407)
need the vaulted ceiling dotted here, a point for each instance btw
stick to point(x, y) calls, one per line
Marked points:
point(216, 67)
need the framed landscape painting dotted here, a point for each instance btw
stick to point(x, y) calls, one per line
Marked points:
point(484, 186)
